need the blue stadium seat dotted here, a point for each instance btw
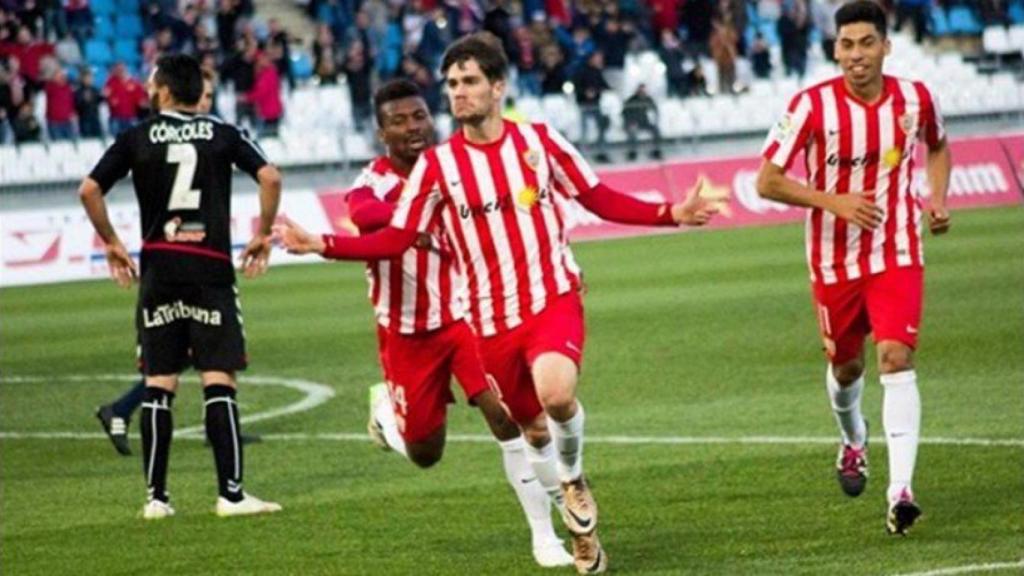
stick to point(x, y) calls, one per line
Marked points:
point(127, 6)
point(103, 27)
point(103, 7)
point(963, 21)
point(302, 65)
point(98, 53)
point(940, 24)
point(1016, 12)
point(99, 75)
point(127, 50)
point(129, 26)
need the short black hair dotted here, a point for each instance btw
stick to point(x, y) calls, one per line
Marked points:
point(483, 47)
point(862, 11)
point(392, 90)
point(182, 76)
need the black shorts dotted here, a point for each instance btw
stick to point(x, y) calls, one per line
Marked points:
point(189, 324)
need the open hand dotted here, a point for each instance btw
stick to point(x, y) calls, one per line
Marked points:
point(858, 208)
point(938, 220)
point(256, 256)
point(297, 240)
point(122, 267)
point(694, 210)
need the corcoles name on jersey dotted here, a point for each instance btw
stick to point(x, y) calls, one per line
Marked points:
point(164, 132)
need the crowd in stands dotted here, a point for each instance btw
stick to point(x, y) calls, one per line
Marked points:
point(81, 53)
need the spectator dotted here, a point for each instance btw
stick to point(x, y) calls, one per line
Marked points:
point(79, 20)
point(697, 18)
point(794, 35)
point(87, 106)
point(528, 79)
point(916, 11)
point(240, 70)
point(359, 73)
point(613, 39)
point(823, 14)
point(994, 12)
point(553, 74)
point(723, 51)
point(326, 68)
point(30, 52)
point(228, 13)
point(670, 49)
point(60, 107)
point(429, 87)
point(363, 32)
point(278, 42)
point(323, 44)
point(26, 127)
point(665, 14)
point(639, 112)
point(761, 57)
point(589, 83)
point(13, 89)
point(266, 96)
point(696, 81)
point(125, 96)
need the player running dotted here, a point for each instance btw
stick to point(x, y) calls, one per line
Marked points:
point(188, 310)
point(492, 190)
point(859, 135)
point(422, 333)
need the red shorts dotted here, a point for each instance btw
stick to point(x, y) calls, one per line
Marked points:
point(509, 355)
point(887, 305)
point(419, 369)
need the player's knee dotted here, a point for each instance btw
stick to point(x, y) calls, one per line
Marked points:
point(536, 433)
point(894, 357)
point(425, 457)
point(848, 372)
point(558, 401)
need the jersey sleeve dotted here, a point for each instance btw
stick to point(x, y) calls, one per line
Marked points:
point(571, 171)
point(933, 123)
point(790, 134)
point(248, 155)
point(114, 164)
point(420, 203)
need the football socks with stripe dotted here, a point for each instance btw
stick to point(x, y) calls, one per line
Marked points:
point(157, 426)
point(225, 436)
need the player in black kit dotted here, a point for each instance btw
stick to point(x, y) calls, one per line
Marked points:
point(188, 311)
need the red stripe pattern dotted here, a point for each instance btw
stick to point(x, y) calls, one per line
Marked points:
point(419, 291)
point(849, 147)
point(500, 208)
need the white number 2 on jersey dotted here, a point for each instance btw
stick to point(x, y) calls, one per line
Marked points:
point(183, 197)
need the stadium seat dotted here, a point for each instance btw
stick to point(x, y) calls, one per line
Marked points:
point(996, 40)
point(127, 51)
point(939, 22)
point(963, 21)
point(1015, 37)
point(127, 6)
point(90, 150)
point(103, 7)
point(103, 27)
point(1016, 12)
point(128, 26)
point(302, 65)
point(98, 53)
point(275, 151)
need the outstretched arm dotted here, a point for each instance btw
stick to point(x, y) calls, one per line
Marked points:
point(615, 206)
point(387, 243)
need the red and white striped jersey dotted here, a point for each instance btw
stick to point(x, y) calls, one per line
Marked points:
point(497, 206)
point(420, 291)
point(851, 146)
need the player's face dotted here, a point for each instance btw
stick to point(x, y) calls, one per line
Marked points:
point(206, 100)
point(407, 128)
point(860, 51)
point(471, 95)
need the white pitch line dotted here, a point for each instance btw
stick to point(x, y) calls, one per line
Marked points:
point(968, 569)
point(315, 394)
point(483, 438)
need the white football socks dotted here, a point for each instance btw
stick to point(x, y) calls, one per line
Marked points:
point(846, 407)
point(385, 416)
point(901, 416)
point(568, 441)
point(532, 496)
point(542, 460)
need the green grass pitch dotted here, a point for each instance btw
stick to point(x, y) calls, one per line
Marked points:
point(696, 335)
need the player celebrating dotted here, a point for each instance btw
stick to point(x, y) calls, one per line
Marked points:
point(423, 336)
point(492, 189)
point(188, 309)
point(114, 417)
point(859, 135)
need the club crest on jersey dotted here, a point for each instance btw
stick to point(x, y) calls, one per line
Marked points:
point(527, 198)
point(532, 158)
point(892, 157)
point(908, 123)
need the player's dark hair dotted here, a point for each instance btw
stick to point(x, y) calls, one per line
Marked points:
point(181, 74)
point(862, 11)
point(483, 47)
point(393, 90)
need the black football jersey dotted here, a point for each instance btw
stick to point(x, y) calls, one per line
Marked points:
point(181, 169)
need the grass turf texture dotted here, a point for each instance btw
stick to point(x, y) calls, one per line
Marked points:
point(704, 334)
